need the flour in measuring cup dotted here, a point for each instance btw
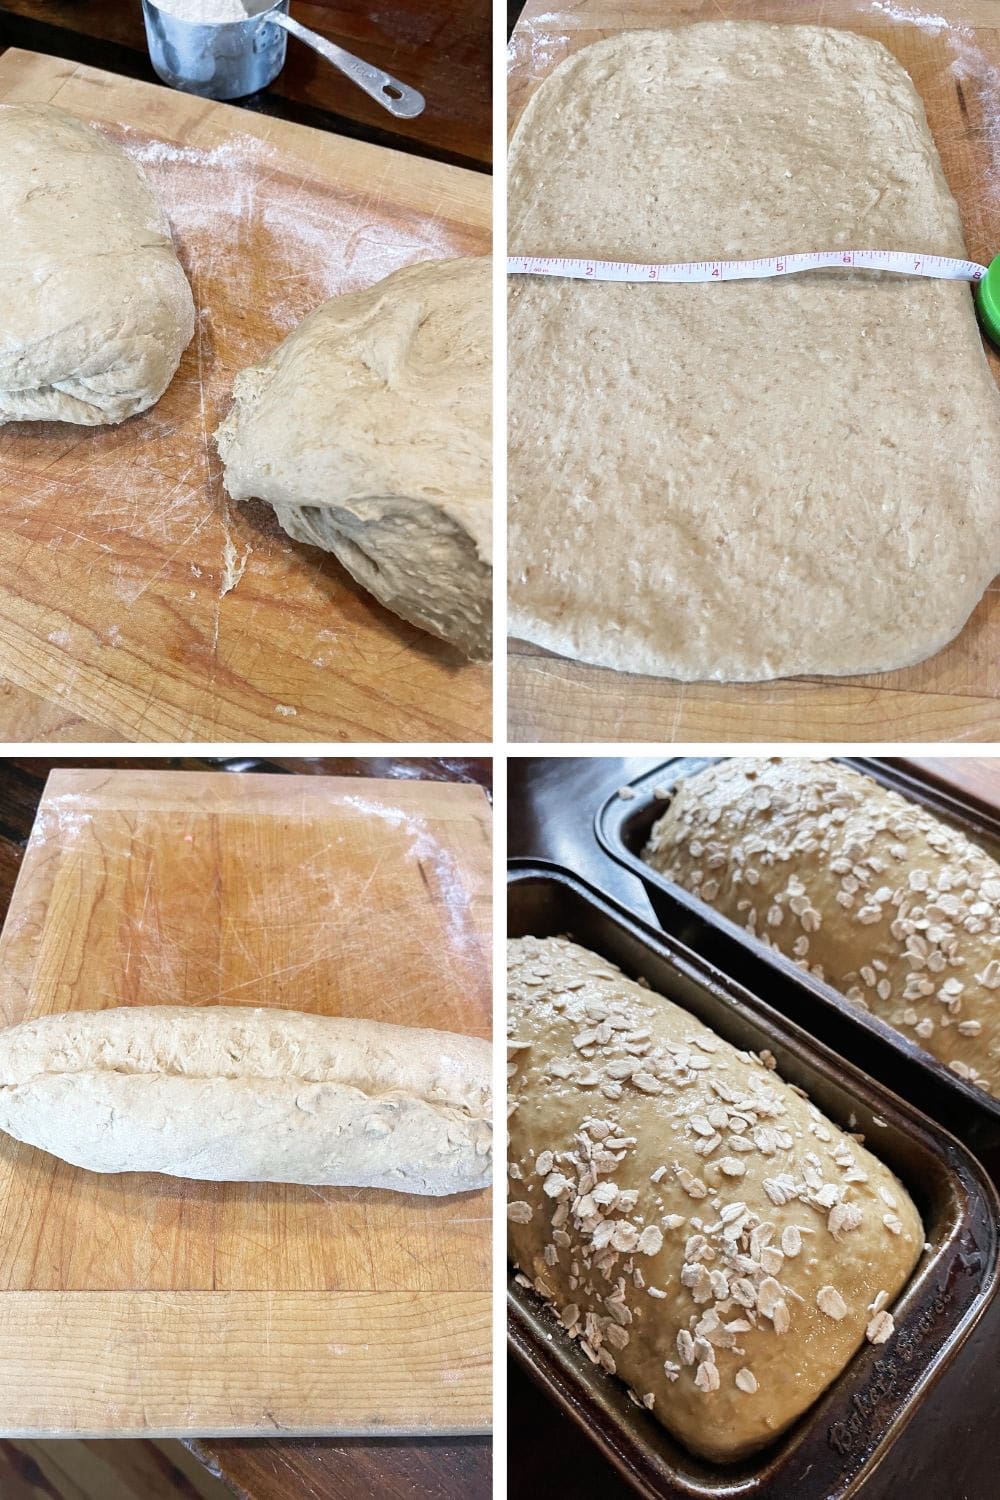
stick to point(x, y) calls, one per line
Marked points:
point(209, 12)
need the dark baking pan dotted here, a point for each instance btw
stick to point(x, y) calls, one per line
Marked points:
point(836, 1445)
point(622, 827)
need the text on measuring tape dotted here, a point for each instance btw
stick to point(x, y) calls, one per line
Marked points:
point(897, 262)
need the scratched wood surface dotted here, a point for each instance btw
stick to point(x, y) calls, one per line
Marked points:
point(143, 1304)
point(951, 50)
point(136, 602)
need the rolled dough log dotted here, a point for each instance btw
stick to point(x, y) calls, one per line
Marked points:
point(368, 431)
point(96, 310)
point(754, 479)
point(228, 1094)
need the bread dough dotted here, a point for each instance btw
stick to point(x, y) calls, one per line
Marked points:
point(686, 1210)
point(368, 430)
point(233, 1094)
point(96, 310)
point(753, 479)
point(863, 888)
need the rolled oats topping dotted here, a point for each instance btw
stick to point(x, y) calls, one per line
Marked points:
point(829, 1301)
point(880, 1329)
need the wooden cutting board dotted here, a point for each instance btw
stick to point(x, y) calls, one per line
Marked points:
point(951, 49)
point(136, 602)
point(145, 1304)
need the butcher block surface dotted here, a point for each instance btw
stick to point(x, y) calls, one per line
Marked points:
point(138, 1303)
point(136, 602)
point(951, 49)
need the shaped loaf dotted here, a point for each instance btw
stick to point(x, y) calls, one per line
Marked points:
point(231, 1094)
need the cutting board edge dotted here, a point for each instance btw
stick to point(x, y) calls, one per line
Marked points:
point(97, 1434)
point(14, 57)
point(76, 778)
point(43, 1348)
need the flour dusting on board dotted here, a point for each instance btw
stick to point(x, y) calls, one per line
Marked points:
point(911, 17)
point(318, 243)
point(536, 49)
point(426, 848)
point(969, 66)
point(62, 820)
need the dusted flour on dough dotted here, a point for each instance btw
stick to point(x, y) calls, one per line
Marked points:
point(96, 310)
point(760, 478)
point(368, 431)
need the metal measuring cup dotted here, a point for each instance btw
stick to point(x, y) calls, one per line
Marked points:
point(230, 59)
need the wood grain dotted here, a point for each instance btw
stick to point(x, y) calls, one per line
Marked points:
point(955, 695)
point(440, 48)
point(323, 894)
point(138, 1364)
point(432, 1469)
point(109, 1470)
point(974, 775)
point(124, 614)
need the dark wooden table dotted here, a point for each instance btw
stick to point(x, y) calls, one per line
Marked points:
point(946, 1452)
point(441, 47)
point(321, 1468)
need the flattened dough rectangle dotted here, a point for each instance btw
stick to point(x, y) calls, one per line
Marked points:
point(759, 479)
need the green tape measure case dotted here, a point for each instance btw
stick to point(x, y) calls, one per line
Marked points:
point(988, 301)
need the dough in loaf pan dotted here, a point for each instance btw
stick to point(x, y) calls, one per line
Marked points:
point(861, 887)
point(702, 1229)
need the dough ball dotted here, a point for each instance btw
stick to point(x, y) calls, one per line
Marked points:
point(96, 310)
point(368, 431)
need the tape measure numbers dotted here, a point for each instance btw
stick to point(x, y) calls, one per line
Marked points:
point(985, 279)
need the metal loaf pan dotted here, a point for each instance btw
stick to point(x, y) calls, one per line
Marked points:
point(622, 827)
point(829, 1453)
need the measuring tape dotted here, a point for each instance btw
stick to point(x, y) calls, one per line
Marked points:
point(985, 279)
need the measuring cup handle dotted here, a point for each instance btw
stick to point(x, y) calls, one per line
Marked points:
point(398, 98)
